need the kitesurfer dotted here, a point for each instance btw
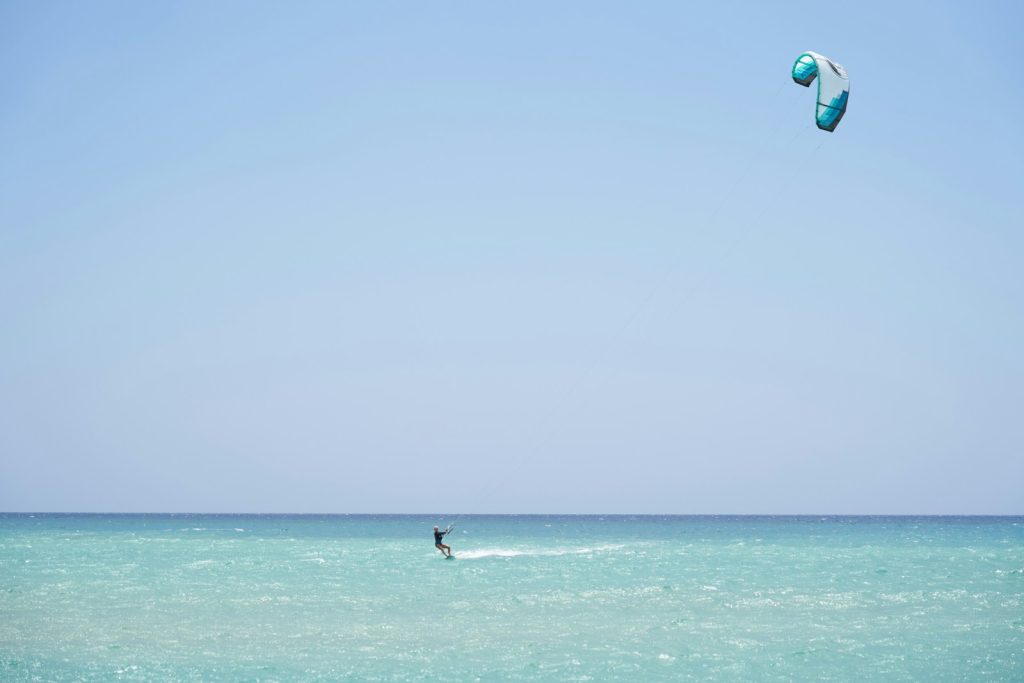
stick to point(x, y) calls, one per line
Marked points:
point(439, 535)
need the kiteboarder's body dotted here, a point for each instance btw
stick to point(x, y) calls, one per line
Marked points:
point(439, 535)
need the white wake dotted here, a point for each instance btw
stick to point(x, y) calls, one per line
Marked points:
point(483, 553)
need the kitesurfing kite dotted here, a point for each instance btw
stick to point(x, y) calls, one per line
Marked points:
point(833, 87)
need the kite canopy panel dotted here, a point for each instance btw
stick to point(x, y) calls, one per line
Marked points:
point(833, 87)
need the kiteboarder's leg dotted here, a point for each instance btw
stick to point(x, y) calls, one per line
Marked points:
point(442, 547)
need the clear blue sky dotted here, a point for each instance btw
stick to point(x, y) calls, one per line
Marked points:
point(509, 257)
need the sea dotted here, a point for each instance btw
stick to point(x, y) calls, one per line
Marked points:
point(195, 597)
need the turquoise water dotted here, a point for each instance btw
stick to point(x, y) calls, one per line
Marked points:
point(367, 598)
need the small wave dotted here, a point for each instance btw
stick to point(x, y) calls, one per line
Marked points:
point(199, 564)
point(512, 552)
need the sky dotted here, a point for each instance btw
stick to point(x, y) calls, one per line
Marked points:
point(527, 257)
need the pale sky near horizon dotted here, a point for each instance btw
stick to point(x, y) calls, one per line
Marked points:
point(518, 257)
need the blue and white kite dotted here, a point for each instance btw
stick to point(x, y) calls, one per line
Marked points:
point(833, 87)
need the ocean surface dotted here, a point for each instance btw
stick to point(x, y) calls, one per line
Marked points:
point(559, 598)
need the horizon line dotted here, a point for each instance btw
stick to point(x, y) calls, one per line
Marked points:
point(512, 514)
